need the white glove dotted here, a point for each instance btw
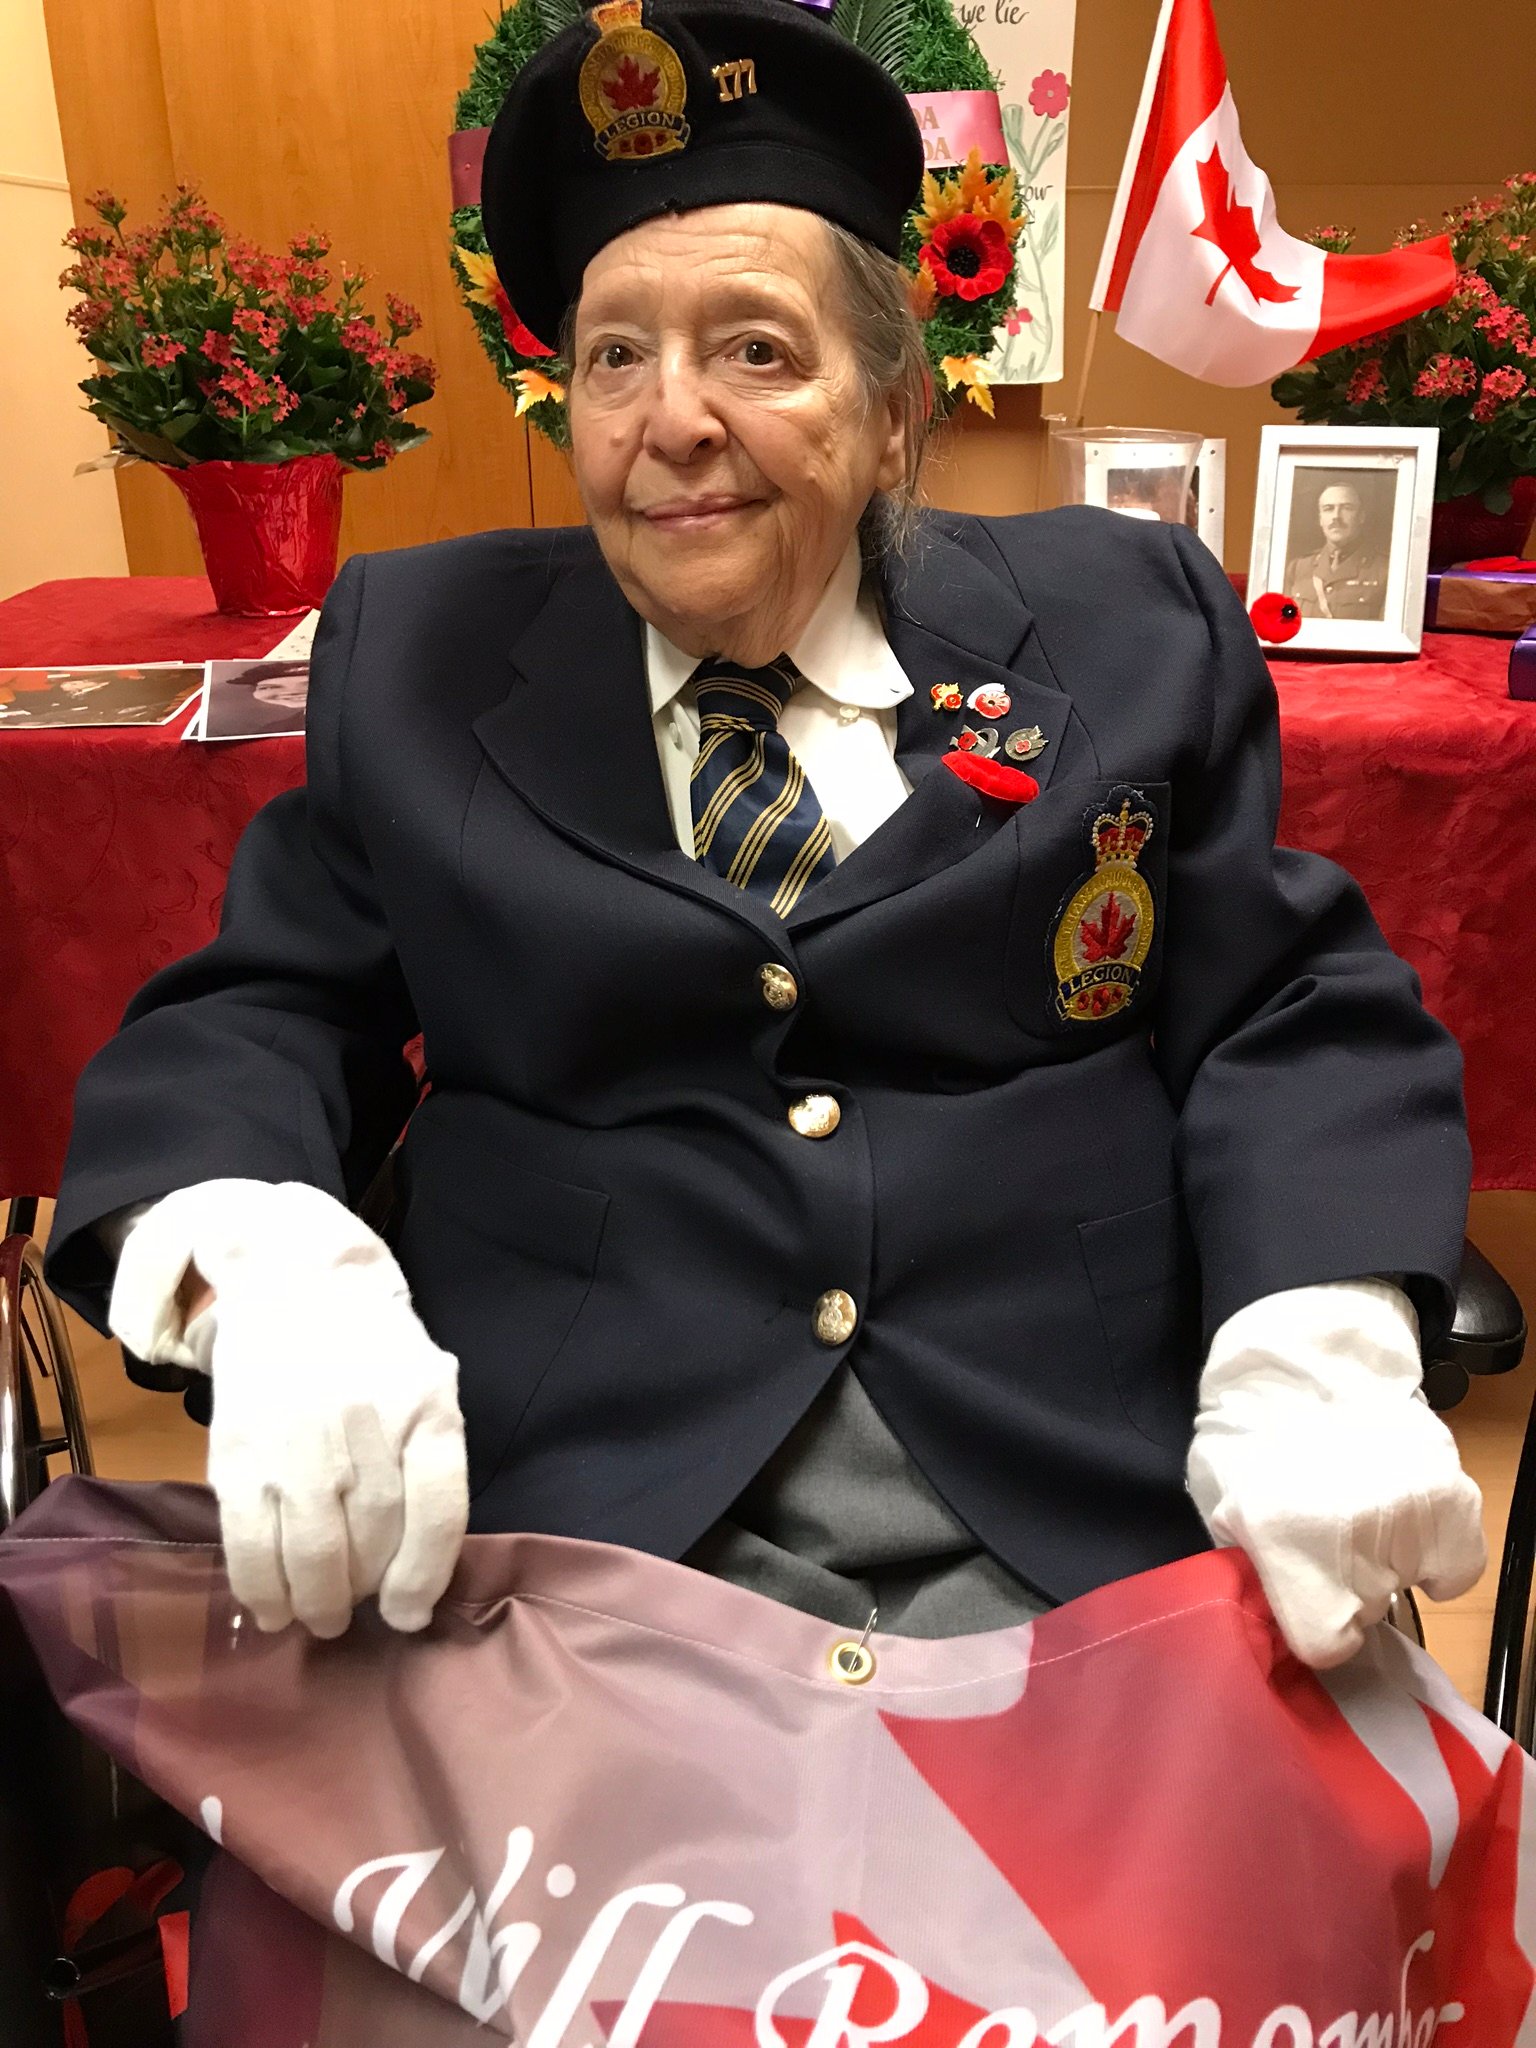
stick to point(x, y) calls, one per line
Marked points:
point(337, 1446)
point(1316, 1453)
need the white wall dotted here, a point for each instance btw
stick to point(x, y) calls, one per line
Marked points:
point(52, 523)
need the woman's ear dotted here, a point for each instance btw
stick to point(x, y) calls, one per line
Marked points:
point(892, 468)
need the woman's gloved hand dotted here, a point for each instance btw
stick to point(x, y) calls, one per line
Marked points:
point(337, 1446)
point(1316, 1453)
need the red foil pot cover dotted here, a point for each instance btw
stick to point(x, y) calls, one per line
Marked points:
point(269, 531)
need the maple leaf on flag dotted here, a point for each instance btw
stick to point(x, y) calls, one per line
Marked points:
point(1235, 232)
point(631, 87)
point(1110, 933)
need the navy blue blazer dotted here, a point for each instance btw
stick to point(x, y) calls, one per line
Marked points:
point(1102, 1082)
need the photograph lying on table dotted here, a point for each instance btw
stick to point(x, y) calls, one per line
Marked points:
point(1341, 524)
point(252, 700)
point(152, 694)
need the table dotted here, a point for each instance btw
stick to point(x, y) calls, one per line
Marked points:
point(114, 844)
point(1419, 776)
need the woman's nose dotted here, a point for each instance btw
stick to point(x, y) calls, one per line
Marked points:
point(682, 422)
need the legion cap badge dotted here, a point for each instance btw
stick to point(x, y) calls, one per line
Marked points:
point(1104, 932)
point(632, 88)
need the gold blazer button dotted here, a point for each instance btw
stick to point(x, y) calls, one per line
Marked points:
point(816, 1116)
point(780, 991)
point(836, 1317)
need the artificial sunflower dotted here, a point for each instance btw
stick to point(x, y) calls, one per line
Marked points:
point(967, 257)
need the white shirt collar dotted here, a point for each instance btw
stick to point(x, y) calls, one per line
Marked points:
point(843, 651)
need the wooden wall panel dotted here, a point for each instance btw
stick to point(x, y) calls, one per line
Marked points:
point(300, 113)
point(111, 99)
point(333, 114)
point(555, 498)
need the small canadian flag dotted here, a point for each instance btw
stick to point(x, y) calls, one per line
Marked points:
point(1196, 268)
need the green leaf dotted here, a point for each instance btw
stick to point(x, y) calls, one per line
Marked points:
point(152, 445)
point(1498, 498)
point(882, 29)
point(180, 424)
point(558, 14)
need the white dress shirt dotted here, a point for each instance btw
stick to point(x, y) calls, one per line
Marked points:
point(840, 725)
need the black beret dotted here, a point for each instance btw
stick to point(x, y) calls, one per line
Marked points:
point(656, 106)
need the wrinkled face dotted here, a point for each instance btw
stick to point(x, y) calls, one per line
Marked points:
point(722, 445)
point(1339, 513)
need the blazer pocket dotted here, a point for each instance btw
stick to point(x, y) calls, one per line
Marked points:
point(501, 1261)
point(1142, 1269)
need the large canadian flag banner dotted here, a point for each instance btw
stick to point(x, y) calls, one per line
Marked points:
point(1196, 267)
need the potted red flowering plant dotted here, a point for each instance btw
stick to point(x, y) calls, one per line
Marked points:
point(1467, 367)
point(248, 382)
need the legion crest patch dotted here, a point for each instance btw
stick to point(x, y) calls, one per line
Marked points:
point(632, 86)
point(1104, 931)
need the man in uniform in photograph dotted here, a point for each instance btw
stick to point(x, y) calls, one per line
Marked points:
point(1347, 577)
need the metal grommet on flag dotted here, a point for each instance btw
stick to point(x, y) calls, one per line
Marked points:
point(854, 1663)
point(851, 1663)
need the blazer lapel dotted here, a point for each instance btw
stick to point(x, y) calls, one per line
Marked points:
point(574, 737)
point(949, 620)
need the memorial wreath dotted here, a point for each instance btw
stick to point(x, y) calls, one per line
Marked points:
point(957, 248)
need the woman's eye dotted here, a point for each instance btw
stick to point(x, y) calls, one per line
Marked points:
point(616, 356)
point(758, 353)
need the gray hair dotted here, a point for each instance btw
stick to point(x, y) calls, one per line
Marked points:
point(888, 350)
point(890, 359)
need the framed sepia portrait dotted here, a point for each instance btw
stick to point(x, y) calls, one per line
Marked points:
point(1341, 524)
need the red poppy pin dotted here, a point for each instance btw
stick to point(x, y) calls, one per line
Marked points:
point(1275, 616)
point(994, 778)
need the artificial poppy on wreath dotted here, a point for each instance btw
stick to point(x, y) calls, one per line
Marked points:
point(968, 257)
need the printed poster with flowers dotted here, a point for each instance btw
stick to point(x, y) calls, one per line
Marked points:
point(1028, 43)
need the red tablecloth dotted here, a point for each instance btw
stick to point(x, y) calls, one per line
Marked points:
point(114, 843)
point(1420, 777)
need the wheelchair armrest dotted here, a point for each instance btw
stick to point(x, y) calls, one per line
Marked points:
point(1488, 1334)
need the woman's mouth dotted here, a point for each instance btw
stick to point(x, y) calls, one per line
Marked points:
point(696, 515)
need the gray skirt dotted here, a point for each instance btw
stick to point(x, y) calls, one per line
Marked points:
point(840, 1523)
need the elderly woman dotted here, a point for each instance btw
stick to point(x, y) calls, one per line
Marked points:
point(885, 1186)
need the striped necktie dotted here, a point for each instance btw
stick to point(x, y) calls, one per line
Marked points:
point(756, 820)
